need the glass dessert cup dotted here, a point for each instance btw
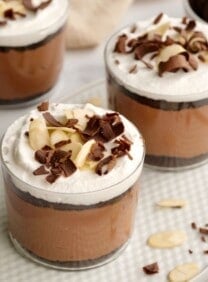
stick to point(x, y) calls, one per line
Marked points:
point(174, 130)
point(71, 231)
point(31, 60)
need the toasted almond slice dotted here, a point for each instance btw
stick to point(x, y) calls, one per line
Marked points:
point(84, 152)
point(69, 114)
point(81, 115)
point(168, 52)
point(57, 136)
point(16, 6)
point(167, 239)
point(160, 30)
point(74, 147)
point(183, 272)
point(38, 134)
point(66, 129)
point(75, 137)
point(172, 203)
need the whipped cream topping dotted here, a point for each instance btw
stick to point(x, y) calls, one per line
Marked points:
point(84, 187)
point(172, 87)
point(35, 26)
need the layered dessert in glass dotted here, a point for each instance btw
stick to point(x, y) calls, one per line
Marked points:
point(157, 77)
point(32, 44)
point(70, 175)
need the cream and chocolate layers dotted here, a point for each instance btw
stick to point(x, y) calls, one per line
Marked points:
point(32, 44)
point(75, 203)
point(159, 69)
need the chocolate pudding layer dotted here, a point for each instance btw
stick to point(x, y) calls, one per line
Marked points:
point(70, 235)
point(32, 46)
point(31, 71)
point(74, 206)
point(156, 77)
point(175, 143)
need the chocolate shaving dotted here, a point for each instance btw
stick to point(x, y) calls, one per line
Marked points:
point(51, 178)
point(62, 143)
point(190, 252)
point(9, 14)
point(184, 20)
point(71, 122)
point(43, 107)
point(121, 44)
point(117, 62)
point(203, 231)
point(190, 25)
point(158, 18)
point(3, 23)
point(145, 49)
point(201, 58)
point(193, 225)
point(175, 63)
point(41, 156)
point(105, 165)
point(123, 147)
point(51, 120)
point(151, 268)
point(206, 252)
point(148, 65)
point(106, 130)
point(26, 133)
point(30, 6)
point(40, 171)
point(96, 152)
point(133, 69)
point(68, 167)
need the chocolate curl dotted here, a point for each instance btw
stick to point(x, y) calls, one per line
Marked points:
point(30, 6)
point(145, 49)
point(105, 165)
point(51, 120)
point(158, 18)
point(197, 42)
point(121, 44)
point(191, 25)
point(180, 61)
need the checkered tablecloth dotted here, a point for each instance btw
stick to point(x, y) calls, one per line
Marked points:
point(191, 185)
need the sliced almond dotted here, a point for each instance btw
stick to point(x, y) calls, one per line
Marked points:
point(57, 136)
point(38, 134)
point(15, 5)
point(81, 115)
point(66, 129)
point(167, 239)
point(84, 152)
point(74, 147)
point(172, 203)
point(184, 272)
point(168, 52)
point(160, 30)
point(69, 114)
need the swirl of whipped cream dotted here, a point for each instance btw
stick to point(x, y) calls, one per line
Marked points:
point(35, 26)
point(84, 187)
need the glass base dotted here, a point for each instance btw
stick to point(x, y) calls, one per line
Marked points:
point(95, 263)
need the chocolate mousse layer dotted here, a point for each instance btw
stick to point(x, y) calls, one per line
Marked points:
point(69, 235)
point(30, 71)
point(169, 144)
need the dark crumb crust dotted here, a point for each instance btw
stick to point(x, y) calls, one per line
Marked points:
point(76, 264)
point(157, 104)
point(25, 196)
point(5, 49)
point(163, 161)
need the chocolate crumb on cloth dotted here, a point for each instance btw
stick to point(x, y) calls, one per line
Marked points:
point(151, 268)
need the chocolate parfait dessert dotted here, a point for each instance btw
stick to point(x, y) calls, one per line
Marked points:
point(32, 44)
point(157, 77)
point(71, 186)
